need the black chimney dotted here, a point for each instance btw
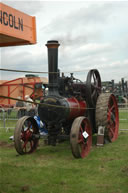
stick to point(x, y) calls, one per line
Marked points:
point(113, 85)
point(122, 82)
point(52, 46)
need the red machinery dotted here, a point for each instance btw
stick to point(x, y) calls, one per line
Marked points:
point(30, 85)
point(72, 109)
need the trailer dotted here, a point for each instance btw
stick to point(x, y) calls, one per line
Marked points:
point(30, 85)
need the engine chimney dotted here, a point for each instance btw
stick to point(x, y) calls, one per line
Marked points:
point(52, 46)
point(122, 82)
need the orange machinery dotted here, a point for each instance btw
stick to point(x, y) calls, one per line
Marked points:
point(16, 27)
point(29, 85)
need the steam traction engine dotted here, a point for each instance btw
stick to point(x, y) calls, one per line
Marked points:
point(72, 109)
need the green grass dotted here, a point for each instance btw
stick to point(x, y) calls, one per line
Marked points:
point(123, 116)
point(54, 169)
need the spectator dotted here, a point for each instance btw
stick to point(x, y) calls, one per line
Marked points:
point(30, 107)
point(42, 128)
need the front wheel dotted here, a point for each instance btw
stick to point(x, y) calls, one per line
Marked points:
point(81, 137)
point(25, 133)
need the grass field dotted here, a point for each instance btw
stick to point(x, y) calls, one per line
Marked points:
point(54, 169)
point(123, 116)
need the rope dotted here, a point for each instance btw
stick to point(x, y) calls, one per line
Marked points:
point(41, 72)
point(38, 103)
point(10, 70)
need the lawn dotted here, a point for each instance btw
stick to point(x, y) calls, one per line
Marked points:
point(54, 169)
point(123, 116)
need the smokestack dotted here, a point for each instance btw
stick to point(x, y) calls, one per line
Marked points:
point(122, 81)
point(113, 85)
point(52, 46)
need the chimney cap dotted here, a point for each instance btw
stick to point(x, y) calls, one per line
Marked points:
point(52, 41)
point(52, 44)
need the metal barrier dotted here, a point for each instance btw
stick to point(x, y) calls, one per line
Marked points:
point(9, 117)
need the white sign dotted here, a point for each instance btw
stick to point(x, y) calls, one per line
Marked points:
point(85, 134)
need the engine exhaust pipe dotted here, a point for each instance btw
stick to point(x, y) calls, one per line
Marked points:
point(52, 46)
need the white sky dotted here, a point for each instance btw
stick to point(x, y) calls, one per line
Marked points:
point(92, 34)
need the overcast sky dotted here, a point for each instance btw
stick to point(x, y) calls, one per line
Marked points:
point(91, 35)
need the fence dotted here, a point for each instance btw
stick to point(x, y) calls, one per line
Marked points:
point(9, 117)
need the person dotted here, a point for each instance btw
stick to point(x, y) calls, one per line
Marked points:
point(30, 107)
point(42, 128)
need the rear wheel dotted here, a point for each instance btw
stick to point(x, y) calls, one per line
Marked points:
point(81, 137)
point(24, 135)
point(107, 116)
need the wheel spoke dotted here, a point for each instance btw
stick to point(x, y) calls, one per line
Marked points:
point(110, 112)
point(111, 129)
point(93, 94)
point(82, 150)
point(111, 109)
point(80, 141)
point(94, 78)
point(24, 146)
point(31, 144)
point(81, 129)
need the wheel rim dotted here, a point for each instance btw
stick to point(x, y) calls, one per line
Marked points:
point(25, 142)
point(93, 86)
point(112, 119)
point(81, 146)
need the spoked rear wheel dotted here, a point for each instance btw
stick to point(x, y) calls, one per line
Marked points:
point(24, 135)
point(81, 137)
point(107, 115)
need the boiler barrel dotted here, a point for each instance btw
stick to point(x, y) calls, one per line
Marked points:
point(77, 108)
point(56, 109)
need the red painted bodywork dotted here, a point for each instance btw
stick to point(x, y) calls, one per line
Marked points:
point(77, 108)
point(20, 87)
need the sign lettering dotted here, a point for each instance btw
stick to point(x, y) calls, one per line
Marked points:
point(11, 21)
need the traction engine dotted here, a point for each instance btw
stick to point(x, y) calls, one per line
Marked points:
point(72, 109)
